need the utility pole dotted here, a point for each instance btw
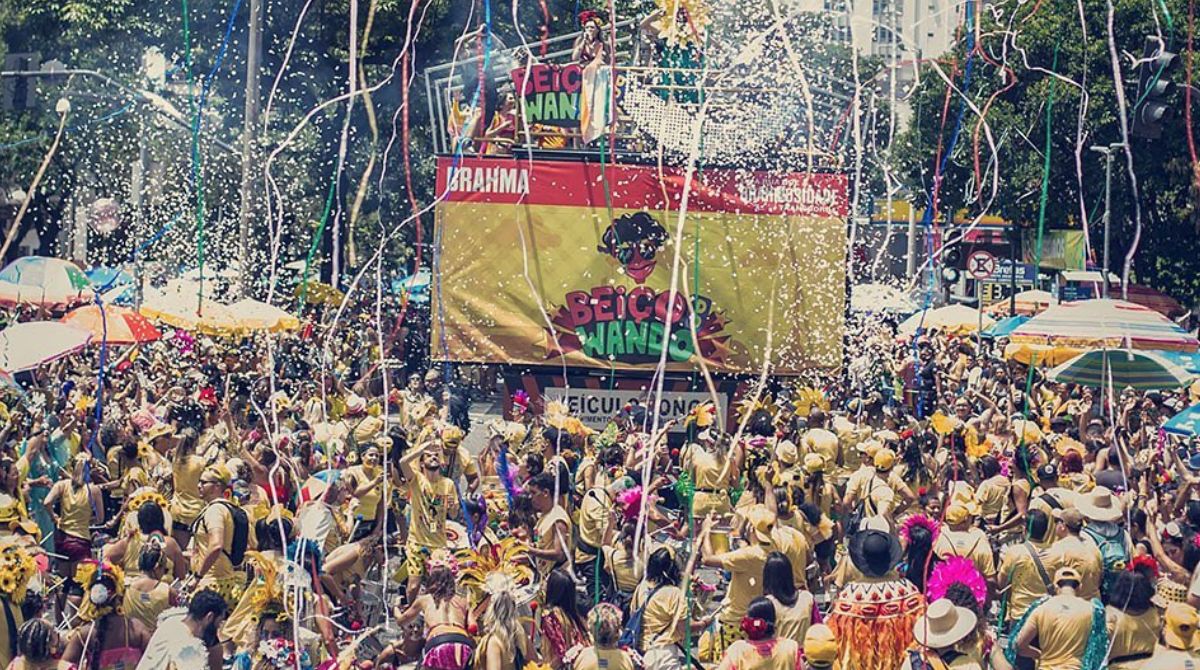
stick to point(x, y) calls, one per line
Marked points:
point(1108, 159)
point(249, 132)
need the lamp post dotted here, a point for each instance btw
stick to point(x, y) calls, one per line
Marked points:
point(1108, 158)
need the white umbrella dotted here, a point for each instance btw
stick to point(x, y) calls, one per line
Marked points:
point(955, 319)
point(25, 346)
point(258, 315)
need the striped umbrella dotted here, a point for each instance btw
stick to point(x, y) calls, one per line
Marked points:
point(39, 280)
point(116, 325)
point(1142, 370)
point(1071, 328)
point(1186, 423)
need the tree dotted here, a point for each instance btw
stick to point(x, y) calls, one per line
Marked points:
point(1011, 80)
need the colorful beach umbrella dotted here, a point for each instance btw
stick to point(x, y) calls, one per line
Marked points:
point(1185, 423)
point(1033, 301)
point(257, 315)
point(1004, 327)
point(38, 280)
point(954, 319)
point(25, 346)
point(115, 325)
point(1189, 361)
point(1068, 329)
point(1127, 368)
point(118, 286)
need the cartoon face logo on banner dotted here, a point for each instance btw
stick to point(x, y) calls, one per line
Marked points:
point(634, 240)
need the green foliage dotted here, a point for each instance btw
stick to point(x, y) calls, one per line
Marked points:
point(1011, 80)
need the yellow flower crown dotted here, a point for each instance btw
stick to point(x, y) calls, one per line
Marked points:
point(702, 415)
point(136, 502)
point(86, 575)
point(17, 567)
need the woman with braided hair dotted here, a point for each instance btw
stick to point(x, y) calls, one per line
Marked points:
point(151, 527)
point(38, 646)
point(147, 595)
point(108, 640)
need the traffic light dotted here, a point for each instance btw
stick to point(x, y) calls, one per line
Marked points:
point(19, 92)
point(952, 256)
point(1151, 109)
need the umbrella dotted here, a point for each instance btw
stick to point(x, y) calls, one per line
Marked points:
point(119, 286)
point(124, 326)
point(1068, 329)
point(180, 310)
point(1189, 361)
point(25, 346)
point(1029, 302)
point(881, 298)
point(39, 280)
point(1143, 370)
point(1155, 300)
point(257, 315)
point(955, 319)
point(317, 292)
point(1186, 423)
point(1004, 327)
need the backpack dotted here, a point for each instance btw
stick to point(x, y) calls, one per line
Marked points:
point(631, 635)
point(241, 532)
point(1111, 541)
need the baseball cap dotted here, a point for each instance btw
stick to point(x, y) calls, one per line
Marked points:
point(884, 459)
point(820, 646)
point(1070, 516)
point(1047, 471)
point(1066, 574)
point(1179, 630)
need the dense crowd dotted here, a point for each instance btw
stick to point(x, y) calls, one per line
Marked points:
point(285, 502)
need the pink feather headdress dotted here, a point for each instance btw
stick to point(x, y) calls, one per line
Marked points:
point(923, 521)
point(631, 502)
point(956, 569)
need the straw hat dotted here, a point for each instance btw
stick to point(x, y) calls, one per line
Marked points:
point(1099, 505)
point(814, 463)
point(943, 625)
point(786, 453)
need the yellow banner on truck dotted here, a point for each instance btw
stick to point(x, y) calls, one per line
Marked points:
point(553, 262)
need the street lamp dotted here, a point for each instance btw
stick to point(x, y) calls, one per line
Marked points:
point(1108, 156)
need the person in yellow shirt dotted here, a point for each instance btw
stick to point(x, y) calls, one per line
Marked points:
point(552, 534)
point(1074, 551)
point(214, 535)
point(1132, 619)
point(604, 623)
point(713, 476)
point(432, 498)
point(960, 537)
point(745, 565)
point(1179, 640)
point(81, 505)
point(1059, 630)
point(1022, 566)
point(818, 440)
point(762, 649)
point(366, 485)
point(596, 530)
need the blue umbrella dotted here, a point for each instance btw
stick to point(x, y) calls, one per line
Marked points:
point(1189, 361)
point(1185, 423)
point(105, 277)
point(1004, 327)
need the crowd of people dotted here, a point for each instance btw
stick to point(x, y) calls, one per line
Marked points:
point(289, 503)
